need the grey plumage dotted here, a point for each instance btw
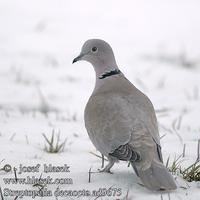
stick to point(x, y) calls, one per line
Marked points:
point(121, 121)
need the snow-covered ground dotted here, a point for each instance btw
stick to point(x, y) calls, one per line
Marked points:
point(157, 46)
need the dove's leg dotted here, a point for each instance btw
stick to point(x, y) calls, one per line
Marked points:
point(111, 162)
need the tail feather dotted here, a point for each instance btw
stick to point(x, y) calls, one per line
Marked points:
point(157, 177)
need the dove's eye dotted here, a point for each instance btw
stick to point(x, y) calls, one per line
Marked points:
point(94, 49)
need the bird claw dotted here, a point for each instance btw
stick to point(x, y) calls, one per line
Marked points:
point(105, 170)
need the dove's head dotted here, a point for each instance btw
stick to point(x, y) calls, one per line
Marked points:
point(100, 54)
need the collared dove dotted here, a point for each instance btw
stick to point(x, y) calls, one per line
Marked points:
point(121, 121)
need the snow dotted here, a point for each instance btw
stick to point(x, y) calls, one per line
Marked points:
point(41, 90)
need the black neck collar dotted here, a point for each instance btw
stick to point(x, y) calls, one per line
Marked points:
point(110, 73)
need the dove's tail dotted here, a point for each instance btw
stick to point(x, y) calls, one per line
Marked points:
point(157, 177)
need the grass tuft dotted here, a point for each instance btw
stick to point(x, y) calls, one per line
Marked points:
point(191, 173)
point(175, 167)
point(54, 145)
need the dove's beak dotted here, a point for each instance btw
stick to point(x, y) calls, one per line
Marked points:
point(78, 58)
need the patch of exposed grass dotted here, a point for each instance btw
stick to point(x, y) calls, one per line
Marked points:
point(191, 173)
point(54, 145)
point(175, 167)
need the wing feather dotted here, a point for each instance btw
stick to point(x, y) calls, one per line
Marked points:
point(126, 153)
